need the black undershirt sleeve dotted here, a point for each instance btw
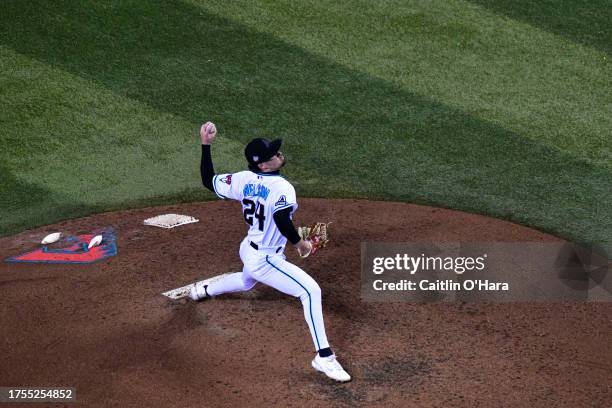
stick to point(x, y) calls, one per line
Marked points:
point(207, 171)
point(282, 218)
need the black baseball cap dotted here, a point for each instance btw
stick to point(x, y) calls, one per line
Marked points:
point(260, 150)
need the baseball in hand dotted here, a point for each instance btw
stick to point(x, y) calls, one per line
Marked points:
point(208, 131)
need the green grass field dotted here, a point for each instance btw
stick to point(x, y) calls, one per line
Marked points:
point(494, 107)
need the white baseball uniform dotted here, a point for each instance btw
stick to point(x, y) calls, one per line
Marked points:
point(261, 251)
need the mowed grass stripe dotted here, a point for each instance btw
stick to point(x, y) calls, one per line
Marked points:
point(584, 22)
point(347, 133)
point(71, 147)
point(538, 84)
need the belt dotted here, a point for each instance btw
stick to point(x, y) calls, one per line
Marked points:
point(255, 246)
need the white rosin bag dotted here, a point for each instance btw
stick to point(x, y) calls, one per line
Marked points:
point(170, 220)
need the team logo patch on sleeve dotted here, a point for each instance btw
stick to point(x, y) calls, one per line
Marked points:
point(227, 179)
point(281, 201)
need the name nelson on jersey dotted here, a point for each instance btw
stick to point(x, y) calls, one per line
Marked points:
point(255, 190)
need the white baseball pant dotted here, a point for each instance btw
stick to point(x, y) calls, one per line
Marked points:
point(266, 266)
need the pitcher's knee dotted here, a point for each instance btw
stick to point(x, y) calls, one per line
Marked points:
point(248, 283)
point(315, 291)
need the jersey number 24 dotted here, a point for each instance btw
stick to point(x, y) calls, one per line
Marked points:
point(252, 210)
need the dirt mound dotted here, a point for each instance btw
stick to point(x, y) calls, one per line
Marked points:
point(104, 328)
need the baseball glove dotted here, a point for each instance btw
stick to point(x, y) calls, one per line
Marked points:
point(316, 234)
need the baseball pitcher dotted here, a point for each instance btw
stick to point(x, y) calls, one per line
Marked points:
point(268, 203)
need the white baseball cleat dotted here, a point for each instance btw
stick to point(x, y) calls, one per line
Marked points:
point(198, 291)
point(331, 367)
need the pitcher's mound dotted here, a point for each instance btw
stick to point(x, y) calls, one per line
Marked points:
point(106, 330)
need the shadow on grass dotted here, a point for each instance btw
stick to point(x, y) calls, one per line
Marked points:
point(16, 194)
point(584, 22)
point(346, 133)
point(24, 205)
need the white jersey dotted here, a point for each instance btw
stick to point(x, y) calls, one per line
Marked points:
point(261, 196)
